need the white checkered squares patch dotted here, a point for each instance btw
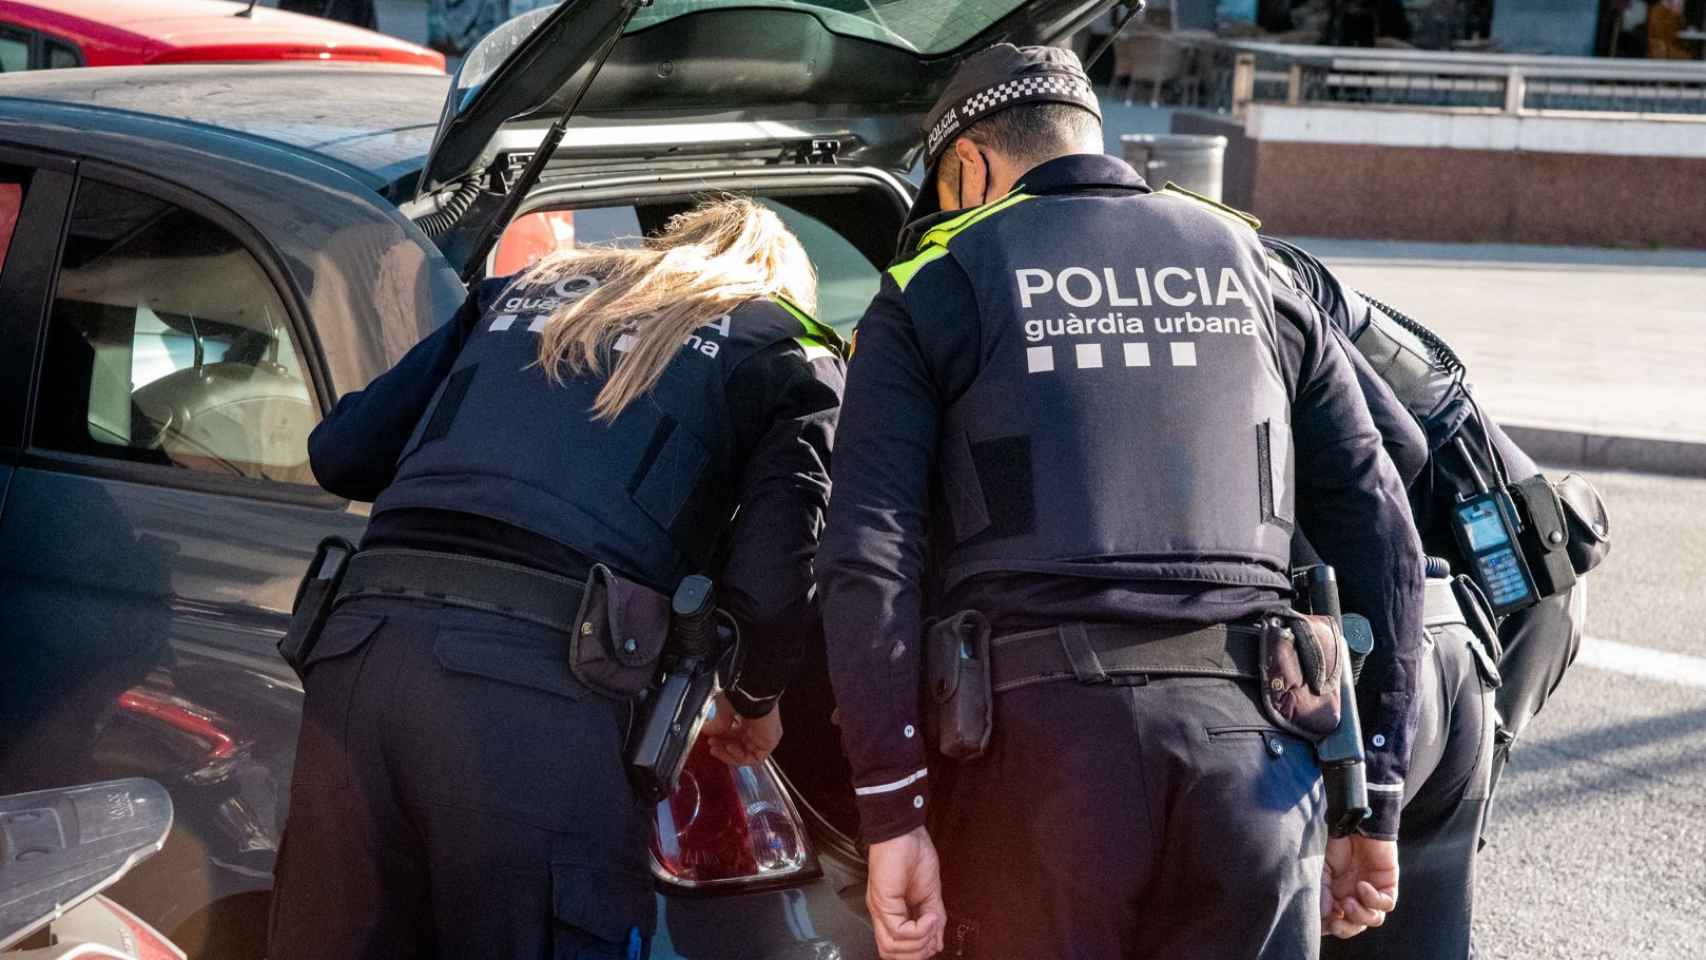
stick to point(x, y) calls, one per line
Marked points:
point(1023, 88)
point(1089, 356)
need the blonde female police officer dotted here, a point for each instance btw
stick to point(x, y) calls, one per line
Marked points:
point(1077, 410)
point(458, 791)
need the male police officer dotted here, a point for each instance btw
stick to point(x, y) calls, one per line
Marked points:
point(1539, 642)
point(1457, 758)
point(1095, 405)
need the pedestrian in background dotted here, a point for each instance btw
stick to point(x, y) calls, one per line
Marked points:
point(550, 463)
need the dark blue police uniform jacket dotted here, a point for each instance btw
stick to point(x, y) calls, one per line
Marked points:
point(1165, 310)
point(466, 446)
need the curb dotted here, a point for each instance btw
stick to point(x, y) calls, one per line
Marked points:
point(1598, 451)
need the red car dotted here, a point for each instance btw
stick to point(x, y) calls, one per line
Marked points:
point(47, 34)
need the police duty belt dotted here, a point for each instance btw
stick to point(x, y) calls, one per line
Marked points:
point(1098, 653)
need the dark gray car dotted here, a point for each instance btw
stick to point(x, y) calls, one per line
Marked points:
point(197, 261)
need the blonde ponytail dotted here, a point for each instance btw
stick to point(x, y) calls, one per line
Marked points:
point(706, 262)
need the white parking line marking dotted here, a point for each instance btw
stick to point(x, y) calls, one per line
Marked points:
point(1679, 668)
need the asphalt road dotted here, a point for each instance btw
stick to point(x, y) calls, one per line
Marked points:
point(1598, 839)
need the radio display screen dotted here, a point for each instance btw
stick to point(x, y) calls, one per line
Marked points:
point(1483, 525)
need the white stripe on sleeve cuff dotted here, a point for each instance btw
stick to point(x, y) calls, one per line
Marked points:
point(1386, 787)
point(900, 784)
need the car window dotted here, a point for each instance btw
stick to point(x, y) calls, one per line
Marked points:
point(14, 51)
point(922, 26)
point(533, 235)
point(11, 201)
point(60, 55)
point(169, 345)
point(846, 280)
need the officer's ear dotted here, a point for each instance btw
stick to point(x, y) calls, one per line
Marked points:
point(973, 180)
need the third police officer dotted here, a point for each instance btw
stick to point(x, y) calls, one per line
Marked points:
point(1081, 426)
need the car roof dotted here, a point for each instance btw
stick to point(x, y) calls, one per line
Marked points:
point(376, 119)
point(211, 29)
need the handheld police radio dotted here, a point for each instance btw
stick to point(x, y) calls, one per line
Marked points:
point(670, 719)
point(1485, 527)
point(1341, 755)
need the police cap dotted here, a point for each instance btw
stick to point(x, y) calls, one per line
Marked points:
point(1003, 76)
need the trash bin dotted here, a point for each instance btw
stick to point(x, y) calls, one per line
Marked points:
point(1192, 161)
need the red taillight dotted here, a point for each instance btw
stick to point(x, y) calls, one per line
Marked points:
point(727, 825)
point(146, 943)
point(181, 715)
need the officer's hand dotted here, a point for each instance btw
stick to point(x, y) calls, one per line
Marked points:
point(1359, 885)
point(904, 895)
point(737, 741)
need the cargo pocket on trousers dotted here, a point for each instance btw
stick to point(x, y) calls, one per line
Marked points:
point(600, 914)
point(329, 676)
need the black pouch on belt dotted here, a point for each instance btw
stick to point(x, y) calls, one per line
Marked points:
point(1545, 535)
point(1590, 528)
point(958, 714)
point(315, 597)
point(619, 634)
point(1300, 673)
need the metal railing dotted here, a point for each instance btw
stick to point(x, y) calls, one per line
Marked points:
point(1241, 73)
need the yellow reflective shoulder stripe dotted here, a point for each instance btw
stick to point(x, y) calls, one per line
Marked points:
point(817, 337)
point(940, 234)
point(1230, 213)
point(934, 244)
point(903, 272)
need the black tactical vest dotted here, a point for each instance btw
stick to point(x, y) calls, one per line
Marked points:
point(647, 494)
point(1130, 418)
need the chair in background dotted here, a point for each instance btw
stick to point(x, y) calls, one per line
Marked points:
point(1146, 55)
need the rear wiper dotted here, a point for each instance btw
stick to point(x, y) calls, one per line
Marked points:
point(488, 236)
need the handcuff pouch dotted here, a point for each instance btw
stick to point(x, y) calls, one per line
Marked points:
point(1300, 673)
point(1590, 528)
point(618, 634)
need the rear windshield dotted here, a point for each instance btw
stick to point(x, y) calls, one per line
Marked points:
point(922, 26)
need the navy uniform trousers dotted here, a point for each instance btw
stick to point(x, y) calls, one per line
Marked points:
point(1445, 809)
point(457, 794)
point(1163, 819)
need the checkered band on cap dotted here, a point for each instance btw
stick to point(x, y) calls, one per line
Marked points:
point(1026, 88)
point(1043, 88)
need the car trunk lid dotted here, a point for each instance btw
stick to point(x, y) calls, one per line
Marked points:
point(867, 69)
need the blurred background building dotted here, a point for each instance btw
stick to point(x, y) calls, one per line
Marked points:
point(1661, 29)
